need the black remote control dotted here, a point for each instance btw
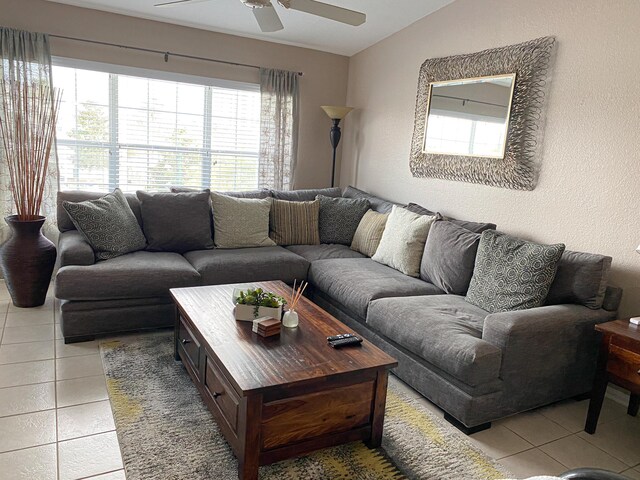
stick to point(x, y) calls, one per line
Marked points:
point(346, 342)
point(340, 337)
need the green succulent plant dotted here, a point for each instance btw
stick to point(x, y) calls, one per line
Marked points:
point(259, 298)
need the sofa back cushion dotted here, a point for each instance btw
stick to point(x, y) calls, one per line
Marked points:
point(449, 257)
point(176, 222)
point(294, 223)
point(108, 224)
point(64, 221)
point(260, 193)
point(378, 204)
point(403, 241)
point(240, 222)
point(477, 227)
point(581, 279)
point(307, 195)
point(339, 218)
point(512, 274)
point(369, 233)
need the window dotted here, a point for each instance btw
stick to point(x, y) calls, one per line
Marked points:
point(141, 133)
point(465, 135)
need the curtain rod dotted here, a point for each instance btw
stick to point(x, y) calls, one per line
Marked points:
point(166, 54)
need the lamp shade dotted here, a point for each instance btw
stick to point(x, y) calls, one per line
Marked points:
point(336, 112)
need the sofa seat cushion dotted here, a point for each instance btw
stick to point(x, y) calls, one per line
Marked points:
point(354, 282)
point(134, 275)
point(324, 251)
point(445, 330)
point(238, 265)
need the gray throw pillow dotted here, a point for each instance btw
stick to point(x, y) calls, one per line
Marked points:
point(176, 222)
point(240, 222)
point(477, 227)
point(512, 274)
point(449, 257)
point(108, 224)
point(339, 218)
point(581, 279)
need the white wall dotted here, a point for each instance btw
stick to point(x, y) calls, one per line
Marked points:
point(588, 194)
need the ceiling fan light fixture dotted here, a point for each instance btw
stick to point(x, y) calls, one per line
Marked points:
point(257, 3)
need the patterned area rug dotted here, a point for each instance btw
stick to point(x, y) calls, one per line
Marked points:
point(166, 432)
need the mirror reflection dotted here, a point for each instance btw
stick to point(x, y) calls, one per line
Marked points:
point(469, 116)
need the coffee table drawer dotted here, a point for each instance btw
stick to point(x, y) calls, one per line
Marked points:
point(189, 346)
point(222, 394)
point(316, 414)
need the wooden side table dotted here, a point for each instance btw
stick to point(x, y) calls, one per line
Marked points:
point(618, 363)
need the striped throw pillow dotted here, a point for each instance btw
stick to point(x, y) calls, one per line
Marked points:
point(294, 223)
point(369, 232)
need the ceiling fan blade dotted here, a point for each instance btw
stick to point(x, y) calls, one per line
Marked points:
point(175, 3)
point(268, 19)
point(339, 14)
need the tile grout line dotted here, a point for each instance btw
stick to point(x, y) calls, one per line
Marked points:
point(55, 388)
point(571, 434)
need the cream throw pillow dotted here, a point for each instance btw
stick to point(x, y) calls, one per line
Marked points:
point(403, 241)
point(369, 233)
point(240, 222)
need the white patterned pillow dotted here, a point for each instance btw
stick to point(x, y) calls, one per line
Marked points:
point(512, 274)
point(403, 240)
point(240, 222)
point(108, 224)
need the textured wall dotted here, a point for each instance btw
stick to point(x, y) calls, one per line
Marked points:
point(324, 81)
point(588, 194)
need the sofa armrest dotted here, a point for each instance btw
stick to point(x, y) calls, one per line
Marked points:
point(73, 249)
point(545, 339)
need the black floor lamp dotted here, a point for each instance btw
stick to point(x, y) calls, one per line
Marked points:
point(335, 114)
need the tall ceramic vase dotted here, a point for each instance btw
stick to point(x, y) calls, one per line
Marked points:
point(27, 261)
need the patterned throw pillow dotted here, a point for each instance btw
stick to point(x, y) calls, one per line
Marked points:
point(369, 233)
point(294, 223)
point(240, 222)
point(512, 274)
point(339, 218)
point(403, 241)
point(108, 223)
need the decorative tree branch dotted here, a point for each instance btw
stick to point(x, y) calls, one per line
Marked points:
point(28, 115)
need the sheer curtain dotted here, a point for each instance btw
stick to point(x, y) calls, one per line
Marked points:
point(278, 128)
point(25, 58)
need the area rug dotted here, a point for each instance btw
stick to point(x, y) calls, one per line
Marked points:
point(166, 432)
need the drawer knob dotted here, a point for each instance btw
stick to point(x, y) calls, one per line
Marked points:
point(216, 394)
point(185, 341)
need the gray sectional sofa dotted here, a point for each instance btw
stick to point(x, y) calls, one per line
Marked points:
point(478, 367)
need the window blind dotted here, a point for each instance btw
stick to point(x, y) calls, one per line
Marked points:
point(140, 133)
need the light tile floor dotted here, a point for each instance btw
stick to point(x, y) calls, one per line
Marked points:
point(56, 421)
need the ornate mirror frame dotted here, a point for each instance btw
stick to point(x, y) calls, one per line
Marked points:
point(530, 61)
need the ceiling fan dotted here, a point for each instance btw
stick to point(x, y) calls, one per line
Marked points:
point(269, 21)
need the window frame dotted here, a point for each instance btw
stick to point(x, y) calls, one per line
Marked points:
point(114, 145)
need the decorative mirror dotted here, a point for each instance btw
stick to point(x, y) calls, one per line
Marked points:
point(479, 117)
point(469, 116)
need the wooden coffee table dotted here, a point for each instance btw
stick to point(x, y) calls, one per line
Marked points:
point(279, 397)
